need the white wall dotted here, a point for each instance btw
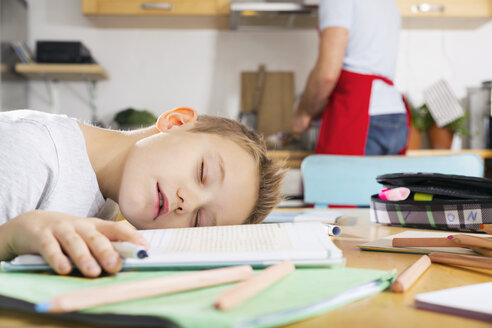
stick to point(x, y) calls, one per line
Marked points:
point(462, 57)
point(158, 68)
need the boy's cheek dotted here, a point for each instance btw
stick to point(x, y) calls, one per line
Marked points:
point(131, 211)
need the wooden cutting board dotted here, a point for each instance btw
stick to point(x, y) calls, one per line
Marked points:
point(277, 100)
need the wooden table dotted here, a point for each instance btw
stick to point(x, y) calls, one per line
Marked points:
point(294, 158)
point(483, 153)
point(388, 309)
point(384, 309)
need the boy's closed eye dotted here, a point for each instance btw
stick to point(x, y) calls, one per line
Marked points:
point(201, 181)
point(202, 171)
point(213, 169)
point(197, 219)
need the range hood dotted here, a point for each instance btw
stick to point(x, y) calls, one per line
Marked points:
point(273, 14)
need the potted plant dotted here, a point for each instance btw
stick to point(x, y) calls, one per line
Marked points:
point(459, 125)
point(131, 118)
point(440, 137)
point(421, 122)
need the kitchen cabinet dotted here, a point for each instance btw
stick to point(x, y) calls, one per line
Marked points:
point(445, 8)
point(155, 7)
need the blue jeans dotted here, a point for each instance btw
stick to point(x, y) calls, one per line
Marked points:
point(387, 134)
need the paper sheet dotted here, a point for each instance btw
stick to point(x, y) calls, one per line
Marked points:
point(264, 237)
point(472, 298)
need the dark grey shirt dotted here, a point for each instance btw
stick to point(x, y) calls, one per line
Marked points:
point(44, 165)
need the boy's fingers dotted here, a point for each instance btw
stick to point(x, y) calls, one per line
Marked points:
point(121, 231)
point(51, 251)
point(77, 250)
point(101, 248)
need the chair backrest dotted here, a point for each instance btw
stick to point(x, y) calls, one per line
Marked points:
point(351, 180)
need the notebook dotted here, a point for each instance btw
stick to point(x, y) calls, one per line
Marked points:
point(260, 245)
point(472, 301)
point(303, 293)
point(385, 244)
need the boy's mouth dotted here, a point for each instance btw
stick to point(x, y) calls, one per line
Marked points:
point(162, 204)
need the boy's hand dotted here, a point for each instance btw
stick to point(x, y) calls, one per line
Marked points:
point(85, 240)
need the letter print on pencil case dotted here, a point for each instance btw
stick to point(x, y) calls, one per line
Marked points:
point(451, 202)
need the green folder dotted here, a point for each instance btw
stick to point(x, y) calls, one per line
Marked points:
point(301, 294)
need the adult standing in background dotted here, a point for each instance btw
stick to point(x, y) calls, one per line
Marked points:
point(351, 84)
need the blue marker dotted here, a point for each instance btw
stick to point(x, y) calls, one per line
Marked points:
point(129, 250)
point(42, 307)
point(333, 230)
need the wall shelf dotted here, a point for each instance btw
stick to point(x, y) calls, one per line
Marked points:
point(53, 73)
point(66, 72)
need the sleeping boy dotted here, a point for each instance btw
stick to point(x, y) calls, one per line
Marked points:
point(187, 171)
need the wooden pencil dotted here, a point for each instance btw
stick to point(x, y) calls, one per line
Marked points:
point(423, 242)
point(410, 275)
point(487, 228)
point(471, 241)
point(463, 260)
point(483, 251)
point(87, 298)
point(252, 286)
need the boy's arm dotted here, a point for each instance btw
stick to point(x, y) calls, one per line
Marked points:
point(85, 240)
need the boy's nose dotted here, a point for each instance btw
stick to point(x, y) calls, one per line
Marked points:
point(188, 201)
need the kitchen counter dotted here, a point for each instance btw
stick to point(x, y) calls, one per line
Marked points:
point(293, 158)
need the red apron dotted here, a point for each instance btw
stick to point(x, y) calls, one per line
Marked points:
point(345, 122)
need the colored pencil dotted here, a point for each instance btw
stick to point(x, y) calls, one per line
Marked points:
point(483, 251)
point(471, 241)
point(487, 228)
point(423, 242)
point(119, 292)
point(410, 275)
point(252, 286)
point(463, 260)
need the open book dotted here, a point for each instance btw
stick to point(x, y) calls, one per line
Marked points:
point(304, 243)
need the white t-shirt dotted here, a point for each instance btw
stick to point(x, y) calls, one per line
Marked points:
point(44, 165)
point(374, 30)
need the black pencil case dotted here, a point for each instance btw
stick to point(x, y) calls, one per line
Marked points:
point(459, 203)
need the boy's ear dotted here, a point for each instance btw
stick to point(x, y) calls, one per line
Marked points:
point(181, 117)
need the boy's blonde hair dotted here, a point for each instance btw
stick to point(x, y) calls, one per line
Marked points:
point(269, 170)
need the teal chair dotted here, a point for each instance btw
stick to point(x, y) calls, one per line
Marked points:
point(351, 180)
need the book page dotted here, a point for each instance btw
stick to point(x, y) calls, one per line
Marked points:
point(305, 241)
point(236, 238)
